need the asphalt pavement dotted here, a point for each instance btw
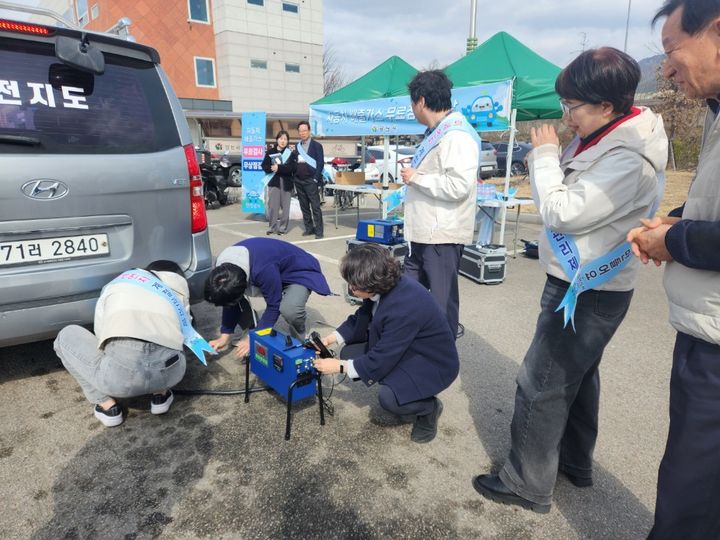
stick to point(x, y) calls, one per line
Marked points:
point(216, 467)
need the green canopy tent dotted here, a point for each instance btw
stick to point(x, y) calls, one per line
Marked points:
point(503, 57)
point(389, 79)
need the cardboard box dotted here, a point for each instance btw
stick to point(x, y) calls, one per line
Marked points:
point(391, 185)
point(350, 178)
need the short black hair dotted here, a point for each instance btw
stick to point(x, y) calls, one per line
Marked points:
point(225, 285)
point(281, 133)
point(163, 265)
point(601, 75)
point(303, 123)
point(697, 14)
point(435, 87)
point(370, 268)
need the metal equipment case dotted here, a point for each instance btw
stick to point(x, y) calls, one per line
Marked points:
point(484, 264)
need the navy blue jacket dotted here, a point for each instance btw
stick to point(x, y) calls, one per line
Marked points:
point(410, 346)
point(304, 171)
point(273, 265)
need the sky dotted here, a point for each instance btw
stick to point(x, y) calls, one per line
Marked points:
point(364, 33)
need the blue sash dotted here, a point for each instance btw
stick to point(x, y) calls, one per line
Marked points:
point(452, 122)
point(594, 273)
point(310, 161)
point(284, 157)
point(149, 282)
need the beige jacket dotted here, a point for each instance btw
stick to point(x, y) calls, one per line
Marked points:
point(126, 310)
point(440, 203)
point(694, 295)
point(600, 194)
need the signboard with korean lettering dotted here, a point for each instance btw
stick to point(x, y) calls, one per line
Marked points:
point(486, 107)
point(253, 152)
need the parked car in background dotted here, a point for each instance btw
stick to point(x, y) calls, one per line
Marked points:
point(99, 175)
point(398, 157)
point(488, 161)
point(520, 150)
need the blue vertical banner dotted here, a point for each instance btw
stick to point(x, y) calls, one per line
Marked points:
point(253, 152)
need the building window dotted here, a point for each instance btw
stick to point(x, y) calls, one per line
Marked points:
point(292, 68)
point(95, 11)
point(256, 2)
point(291, 8)
point(258, 64)
point(198, 10)
point(205, 72)
point(82, 12)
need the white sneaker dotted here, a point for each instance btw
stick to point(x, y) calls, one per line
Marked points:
point(111, 417)
point(160, 403)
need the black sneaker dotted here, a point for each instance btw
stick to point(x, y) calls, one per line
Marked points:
point(160, 403)
point(111, 417)
point(425, 427)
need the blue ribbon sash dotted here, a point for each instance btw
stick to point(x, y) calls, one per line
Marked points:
point(303, 153)
point(596, 272)
point(269, 176)
point(194, 341)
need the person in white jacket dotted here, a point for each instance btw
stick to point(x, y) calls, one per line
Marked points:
point(440, 201)
point(137, 347)
point(607, 179)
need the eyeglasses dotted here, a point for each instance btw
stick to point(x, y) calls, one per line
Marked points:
point(566, 109)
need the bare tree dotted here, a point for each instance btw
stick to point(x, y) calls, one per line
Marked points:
point(682, 117)
point(334, 76)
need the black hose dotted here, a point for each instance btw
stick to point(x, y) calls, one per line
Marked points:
point(202, 392)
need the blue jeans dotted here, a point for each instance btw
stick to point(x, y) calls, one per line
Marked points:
point(555, 422)
point(125, 367)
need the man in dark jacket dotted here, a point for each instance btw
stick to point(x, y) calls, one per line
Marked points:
point(280, 272)
point(308, 180)
point(399, 338)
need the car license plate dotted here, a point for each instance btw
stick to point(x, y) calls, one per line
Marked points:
point(486, 168)
point(62, 248)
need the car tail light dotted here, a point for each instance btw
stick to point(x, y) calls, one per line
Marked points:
point(370, 159)
point(494, 152)
point(197, 201)
point(23, 28)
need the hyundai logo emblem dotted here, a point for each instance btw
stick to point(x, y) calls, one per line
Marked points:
point(44, 189)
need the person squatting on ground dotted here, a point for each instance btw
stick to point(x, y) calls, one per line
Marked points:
point(309, 180)
point(440, 199)
point(137, 347)
point(282, 167)
point(398, 338)
point(688, 491)
point(605, 181)
point(283, 274)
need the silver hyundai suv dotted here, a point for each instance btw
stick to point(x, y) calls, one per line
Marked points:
point(98, 174)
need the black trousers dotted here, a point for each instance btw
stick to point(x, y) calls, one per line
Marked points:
point(436, 266)
point(308, 192)
point(386, 396)
point(688, 492)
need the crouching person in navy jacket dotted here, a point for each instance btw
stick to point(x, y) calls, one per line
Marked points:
point(283, 274)
point(398, 338)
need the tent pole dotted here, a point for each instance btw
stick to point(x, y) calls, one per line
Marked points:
point(386, 180)
point(508, 166)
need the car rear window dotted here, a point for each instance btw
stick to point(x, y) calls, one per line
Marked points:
point(406, 151)
point(64, 111)
point(487, 146)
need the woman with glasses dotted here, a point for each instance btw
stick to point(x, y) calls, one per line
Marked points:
point(589, 197)
point(399, 338)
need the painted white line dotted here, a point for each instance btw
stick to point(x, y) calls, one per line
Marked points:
point(246, 222)
point(325, 239)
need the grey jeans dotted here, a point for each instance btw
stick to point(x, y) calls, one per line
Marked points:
point(555, 422)
point(279, 200)
point(292, 308)
point(126, 367)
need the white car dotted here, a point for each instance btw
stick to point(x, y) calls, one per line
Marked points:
point(398, 157)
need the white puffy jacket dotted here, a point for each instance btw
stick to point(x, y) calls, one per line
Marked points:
point(600, 194)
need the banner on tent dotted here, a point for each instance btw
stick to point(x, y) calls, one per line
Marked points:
point(486, 107)
point(253, 152)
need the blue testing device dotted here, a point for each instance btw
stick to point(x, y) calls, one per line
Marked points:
point(380, 231)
